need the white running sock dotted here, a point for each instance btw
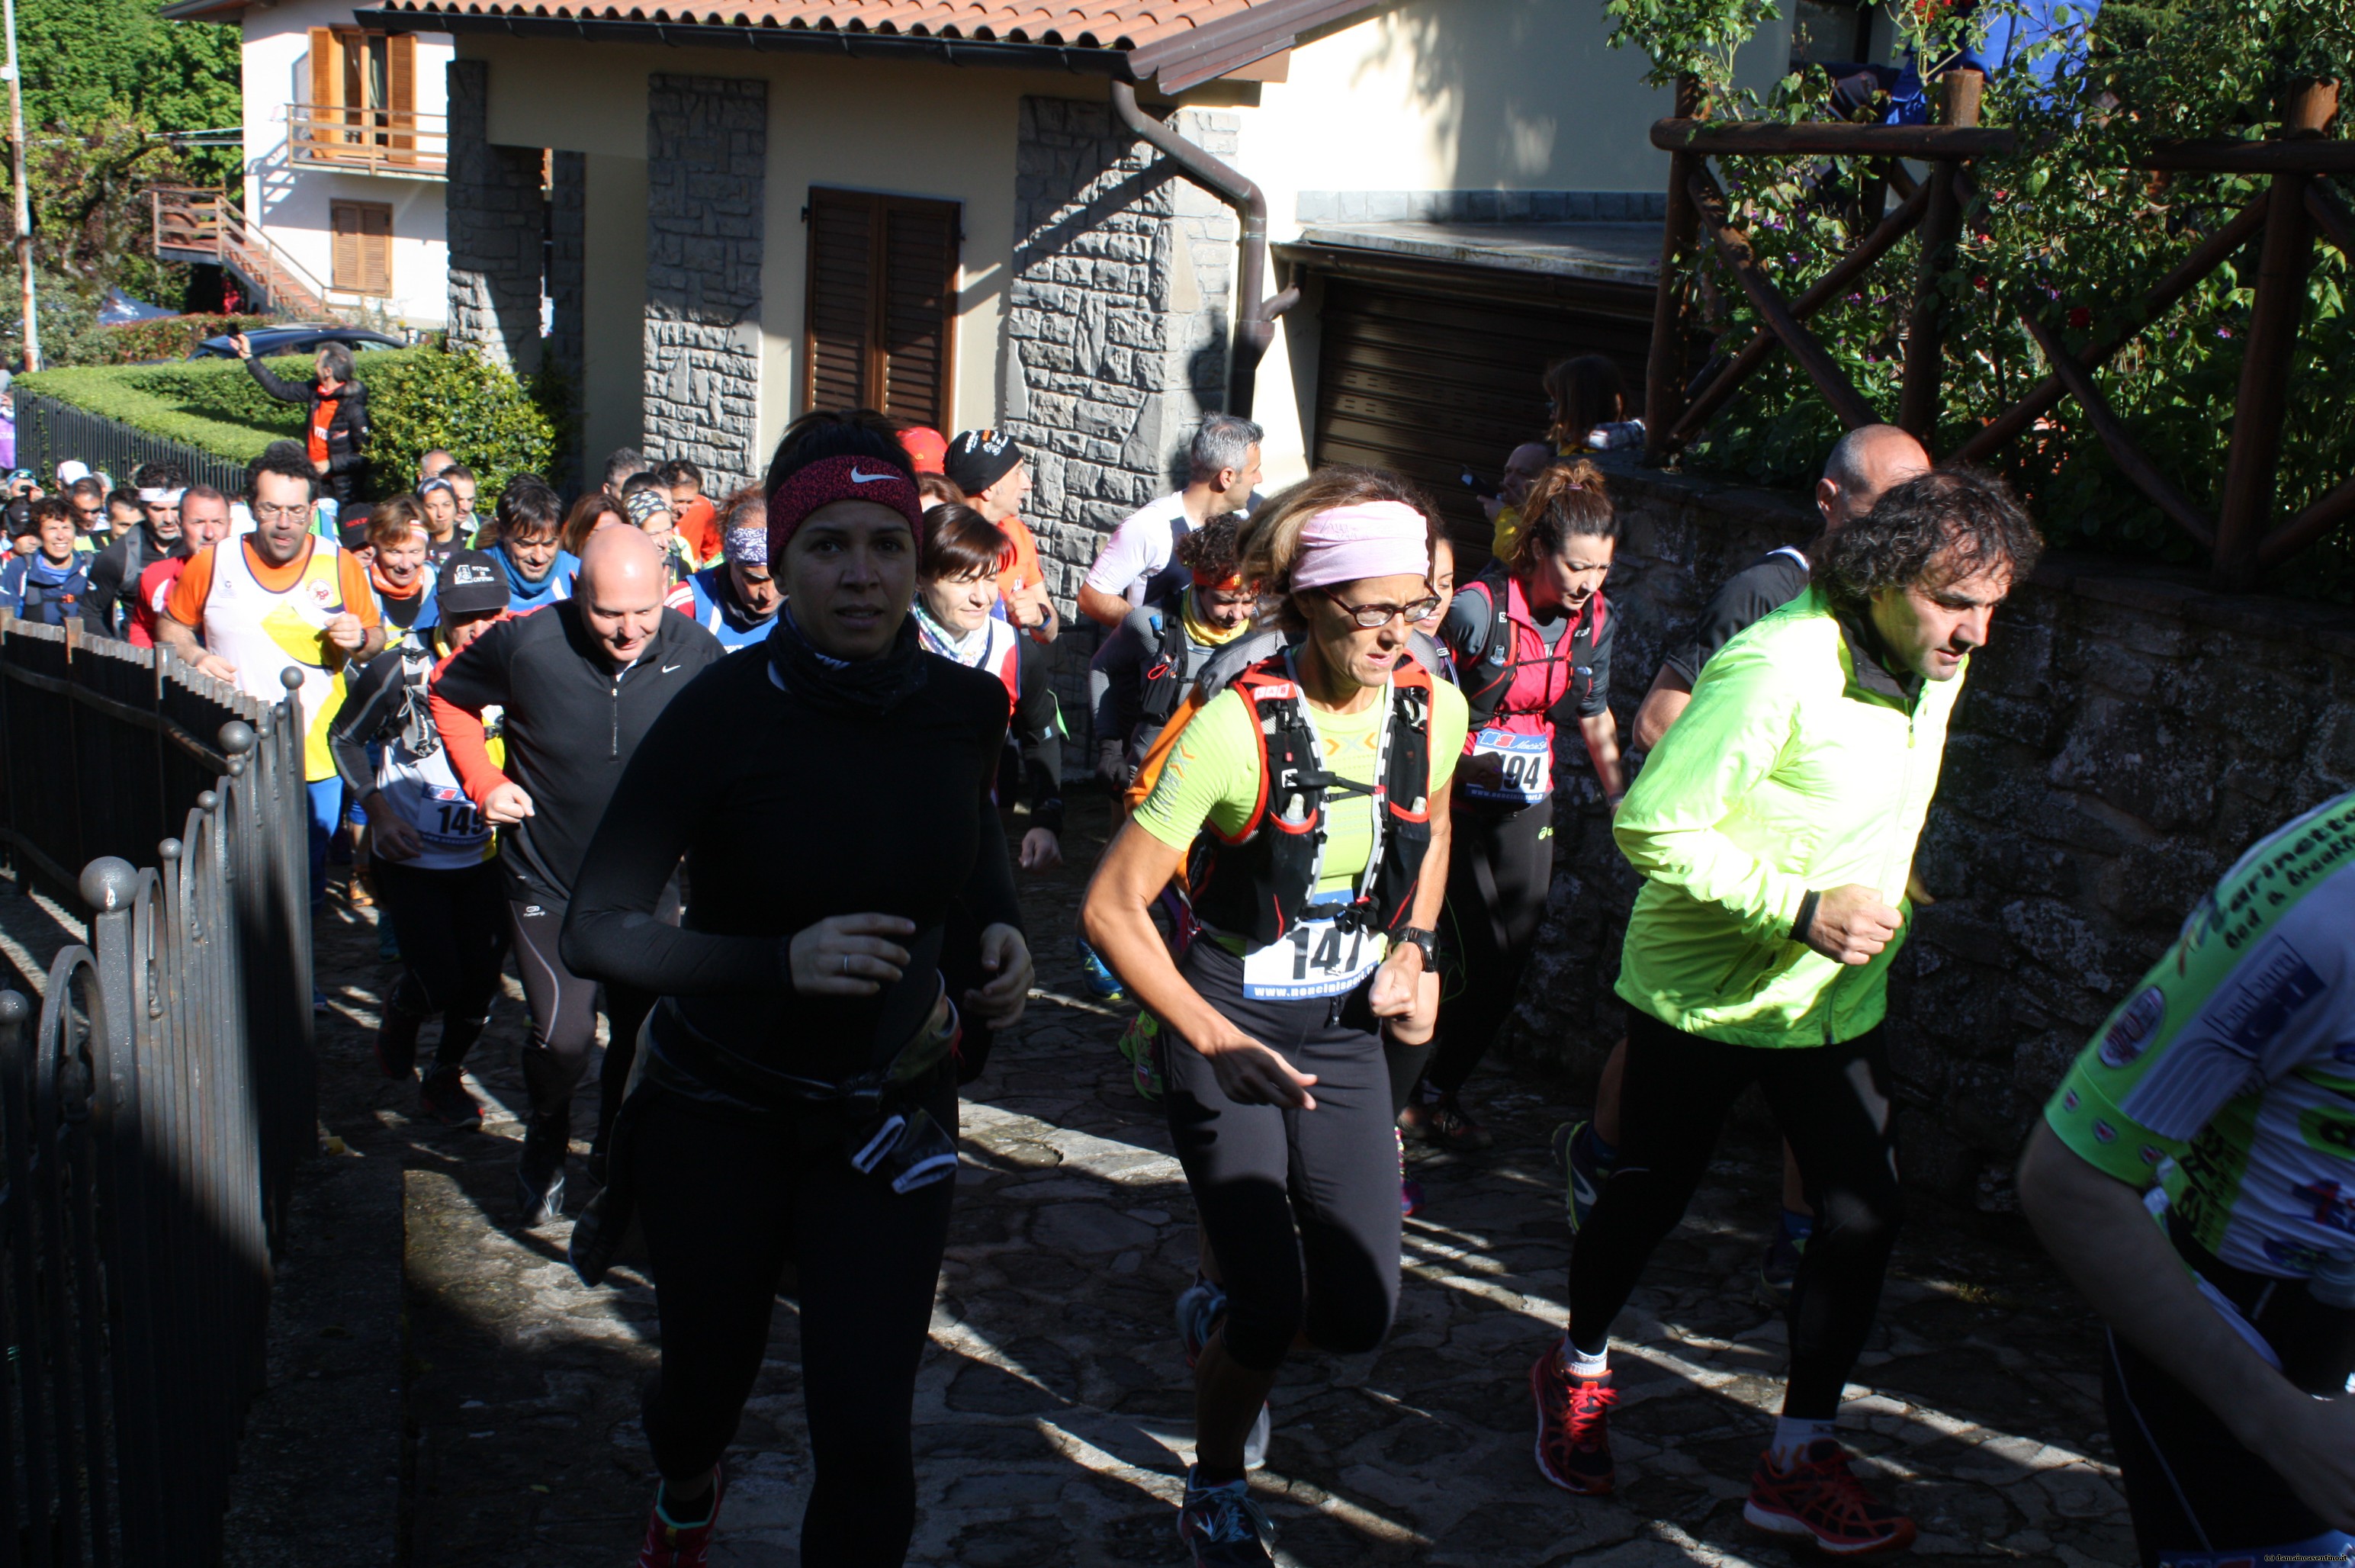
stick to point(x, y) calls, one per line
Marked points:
point(1793, 1437)
point(1579, 1364)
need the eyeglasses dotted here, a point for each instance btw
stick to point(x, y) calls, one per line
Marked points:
point(282, 514)
point(1371, 616)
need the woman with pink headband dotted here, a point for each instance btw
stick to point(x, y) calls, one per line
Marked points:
point(1310, 796)
point(829, 788)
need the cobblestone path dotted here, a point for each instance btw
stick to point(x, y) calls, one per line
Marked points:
point(1054, 1407)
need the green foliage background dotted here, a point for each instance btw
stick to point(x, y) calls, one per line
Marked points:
point(419, 398)
point(2067, 229)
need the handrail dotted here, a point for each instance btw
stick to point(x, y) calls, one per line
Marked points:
point(390, 141)
point(195, 219)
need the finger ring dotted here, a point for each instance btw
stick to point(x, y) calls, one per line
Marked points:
point(845, 962)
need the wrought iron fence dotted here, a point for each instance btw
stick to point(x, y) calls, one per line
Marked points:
point(49, 432)
point(156, 1102)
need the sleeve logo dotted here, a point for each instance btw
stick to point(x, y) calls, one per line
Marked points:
point(2130, 1033)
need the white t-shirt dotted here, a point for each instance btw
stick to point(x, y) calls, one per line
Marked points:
point(1140, 548)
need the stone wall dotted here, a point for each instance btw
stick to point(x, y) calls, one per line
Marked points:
point(2123, 738)
point(1115, 338)
point(497, 224)
point(707, 167)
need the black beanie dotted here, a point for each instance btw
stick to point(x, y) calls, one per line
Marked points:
point(980, 458)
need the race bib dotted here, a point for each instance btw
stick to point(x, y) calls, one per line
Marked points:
point(1315, 958)
point(1510, 766)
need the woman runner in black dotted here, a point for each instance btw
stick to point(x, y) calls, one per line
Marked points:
point(830, 791)
point(1316, 784)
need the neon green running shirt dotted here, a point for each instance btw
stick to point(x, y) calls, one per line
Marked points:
point(2229, 1074)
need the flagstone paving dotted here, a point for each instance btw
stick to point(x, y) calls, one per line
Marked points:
point(1054, 1414)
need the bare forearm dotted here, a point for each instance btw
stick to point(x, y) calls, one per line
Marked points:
point(1118, 922)
point(1602, 734)
point(1104, 609)
point(2097, 1230)
point(180, 637)
point(1663, 705)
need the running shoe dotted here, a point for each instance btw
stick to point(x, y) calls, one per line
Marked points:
point(1573, 1427)
point(1199, 1306)
point(355, 891)
point(1140, 1042)
point(1442, 1121)
point(1410, 1193)
point(443, 1097)
point(1583, 1171)
point(396, 1043)
point(1779, 1269)
point(669, 1545)
point(1819, 1499)
point(539, 1174)
point(1102, 983)
point(1223, 1527)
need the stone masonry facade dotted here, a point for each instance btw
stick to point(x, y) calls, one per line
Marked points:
point(1116, 329)
point(497, 224)
point(707, 164)
point(2125, 736)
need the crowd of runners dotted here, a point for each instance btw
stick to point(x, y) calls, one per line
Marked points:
point(736, 774)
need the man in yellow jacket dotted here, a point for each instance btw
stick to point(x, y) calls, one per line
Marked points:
point(1775, 827)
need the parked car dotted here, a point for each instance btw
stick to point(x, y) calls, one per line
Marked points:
point(298, 338)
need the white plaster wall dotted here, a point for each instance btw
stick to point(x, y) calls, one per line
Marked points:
point(292, 204)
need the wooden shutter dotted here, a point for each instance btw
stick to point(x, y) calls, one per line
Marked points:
point(400, 95)
point(362, 257)
point(881, 304)
point(326, 84)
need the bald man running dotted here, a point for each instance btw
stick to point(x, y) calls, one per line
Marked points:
point(581, 681)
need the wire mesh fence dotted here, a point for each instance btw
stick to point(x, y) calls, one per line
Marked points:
point(154, 1101)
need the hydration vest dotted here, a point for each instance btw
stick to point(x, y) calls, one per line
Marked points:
point(1165, 678)
point(1495, 681)
point(1255, 883)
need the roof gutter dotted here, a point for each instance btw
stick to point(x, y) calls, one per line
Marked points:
point(766, 40)
point(1254, 314)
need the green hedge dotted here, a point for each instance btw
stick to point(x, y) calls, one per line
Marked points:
point(419, 398)
point(166, 338)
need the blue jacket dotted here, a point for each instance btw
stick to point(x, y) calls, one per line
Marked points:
point(33, 588)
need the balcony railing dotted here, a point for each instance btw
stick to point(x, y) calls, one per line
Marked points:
point(397, 142)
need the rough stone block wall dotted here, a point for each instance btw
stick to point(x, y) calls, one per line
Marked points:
point(1116, 328)
point(497, 227)
point(707, 171)
point(2125, 736)
point(568, 260)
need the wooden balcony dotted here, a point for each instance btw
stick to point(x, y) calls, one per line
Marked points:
point(399, 143)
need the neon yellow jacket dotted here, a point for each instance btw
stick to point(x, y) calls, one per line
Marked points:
point(1789, 773)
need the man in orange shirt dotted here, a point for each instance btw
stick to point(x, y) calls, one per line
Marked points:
point(692, 511)
point(280, 597)
point(990, 469)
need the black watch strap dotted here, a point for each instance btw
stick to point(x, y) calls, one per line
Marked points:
point(1426, 940)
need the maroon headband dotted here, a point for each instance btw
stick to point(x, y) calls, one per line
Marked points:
point(841, 479)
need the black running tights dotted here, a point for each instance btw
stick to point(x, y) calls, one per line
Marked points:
point(726, 1204)
point(564, 1018)
point(1832, 1103)
point(452, 927)
point(1500, 867)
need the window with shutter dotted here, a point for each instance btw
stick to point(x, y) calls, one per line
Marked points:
point(401, 96)
point(362, 257)
point(881, 304)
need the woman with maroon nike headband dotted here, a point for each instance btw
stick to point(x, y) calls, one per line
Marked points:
point(829, 788)
point(1312, 796)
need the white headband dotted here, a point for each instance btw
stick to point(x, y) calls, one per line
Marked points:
point(161, 498)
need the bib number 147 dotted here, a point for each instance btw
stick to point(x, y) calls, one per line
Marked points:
point(1315, 958)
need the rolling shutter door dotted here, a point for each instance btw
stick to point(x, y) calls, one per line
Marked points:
point(1427, 382)
point(881, 304)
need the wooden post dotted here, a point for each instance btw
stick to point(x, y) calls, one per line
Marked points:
point(1664, 368)
point(1917, 403)
point(2257, 412)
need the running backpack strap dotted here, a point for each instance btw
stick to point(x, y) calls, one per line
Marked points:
point(1165, 678)
point(1406, 801)
point(1255, 882)
point(1488, 679)
point(1214, 677)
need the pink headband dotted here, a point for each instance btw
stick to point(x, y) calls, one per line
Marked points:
point(841, 479)
point(1373, 539)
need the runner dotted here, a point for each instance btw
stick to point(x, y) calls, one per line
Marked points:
point(1313, 929)
point(1142, 670)
point(831, 792)
point(593, 510)
point(1138, 564)
point(437, 500)
point(1863, 464)
point(114, 573)
point(204, 519)
point(580, 685)
point(990, 468)
point(47, 585)
point(1532, 636)
point(735, 599)
point(2222, 1081)
point(956, 587)
point(1773, 828)
point(401, 546)
point(539, 570)
point(431, 852)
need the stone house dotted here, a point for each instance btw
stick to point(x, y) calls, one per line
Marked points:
point(938, 210)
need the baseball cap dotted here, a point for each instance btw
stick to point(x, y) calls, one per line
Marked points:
point(471, 582)
point(927, 448)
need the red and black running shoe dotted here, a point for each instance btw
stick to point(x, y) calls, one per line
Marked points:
point(1573, 1427)
point(672, 1545)
point(1819, 1499)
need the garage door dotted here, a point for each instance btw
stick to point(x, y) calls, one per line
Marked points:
point(1426, 376)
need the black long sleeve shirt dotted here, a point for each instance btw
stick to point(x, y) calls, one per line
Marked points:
point(786, 816)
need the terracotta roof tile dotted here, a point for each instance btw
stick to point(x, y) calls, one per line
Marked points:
point(1127, 25)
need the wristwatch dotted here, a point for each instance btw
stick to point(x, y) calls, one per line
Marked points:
point(1428, 941)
